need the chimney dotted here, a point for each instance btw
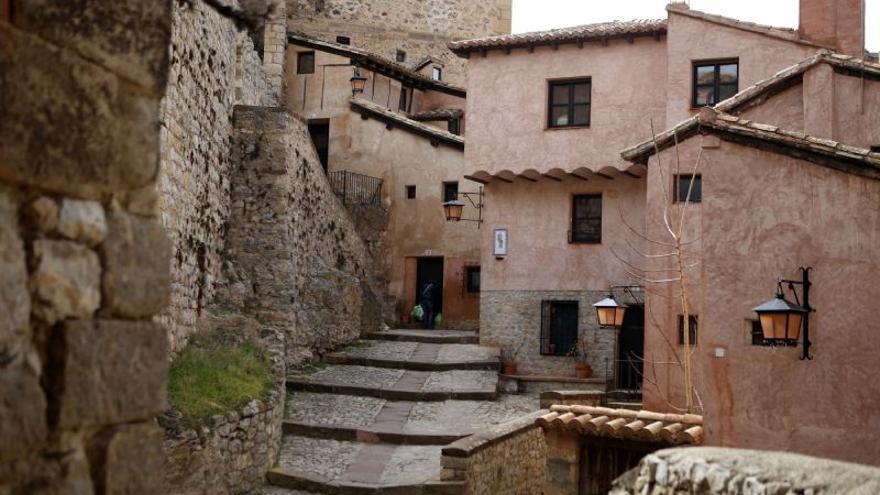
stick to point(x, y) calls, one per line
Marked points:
point(838, 24)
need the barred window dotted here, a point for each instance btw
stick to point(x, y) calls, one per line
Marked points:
point(559, 327)
point(586, 219)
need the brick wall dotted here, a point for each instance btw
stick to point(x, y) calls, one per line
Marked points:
point(213, 67)
point(510, 317)
point(83, 257)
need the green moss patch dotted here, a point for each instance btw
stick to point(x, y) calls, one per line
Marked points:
point(209, 378)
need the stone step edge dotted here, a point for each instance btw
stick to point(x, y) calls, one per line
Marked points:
point(312, 482)
point(389, 394)
point(342, 358)
point(424, 339)
point(367, 435)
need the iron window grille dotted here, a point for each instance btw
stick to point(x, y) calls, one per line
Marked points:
point(400, 56)
point(454, 126)
point(692, 330)
point(343, 40)
point(683, 185)
point(586, 219)
point(305, 63)
point(569, 103)
point(559, 327)
point(450, 191)
point(714, 82)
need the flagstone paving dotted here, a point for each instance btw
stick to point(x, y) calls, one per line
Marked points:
point(377, 414)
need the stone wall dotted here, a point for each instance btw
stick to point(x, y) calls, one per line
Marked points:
point(294, 258)
point(720, 471)
point(233, 454)
point(510, 458)
point(214, 66)
point(510, 317)
point(83, 257)
point(420, 28)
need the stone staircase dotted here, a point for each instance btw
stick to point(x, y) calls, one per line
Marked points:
point(373, 417)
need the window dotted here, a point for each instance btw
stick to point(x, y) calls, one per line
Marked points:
point(410, 192)
point(586, 219)
point(437, 73)
point(402, 105)
point(559, 327)
point(692, 333)
point(305, 63)
point(454, 126)
point(875, 149)
point(472, 273)
point(715, 82)
point(400, 56)
point(757, 332)
point(343, 40)
point(569, 103)
point(683, 185)
point(450, 191)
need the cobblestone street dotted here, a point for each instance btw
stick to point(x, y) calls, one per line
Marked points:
point(377, 413)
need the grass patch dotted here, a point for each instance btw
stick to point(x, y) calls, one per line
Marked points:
point(358, 344)
point(209, 378)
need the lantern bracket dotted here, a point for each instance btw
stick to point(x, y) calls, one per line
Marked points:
point(805, 284)
point(630, 289)
point(476, 200)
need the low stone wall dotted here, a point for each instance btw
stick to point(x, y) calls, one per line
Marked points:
point(510, 458)
point(510, 317)
point(233, 454)
point(712, 470)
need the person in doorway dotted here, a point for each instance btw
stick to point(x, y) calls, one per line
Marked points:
point(428, 299)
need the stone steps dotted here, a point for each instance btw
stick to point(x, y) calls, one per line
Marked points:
point(427, 336)
point(398, 384)
point(417, 356)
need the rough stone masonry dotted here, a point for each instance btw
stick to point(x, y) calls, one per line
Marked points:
point(83, 257)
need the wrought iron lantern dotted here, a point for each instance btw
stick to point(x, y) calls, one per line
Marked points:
point(358, 82)
point(453, 210)
point(610, 312)
point(782, 320)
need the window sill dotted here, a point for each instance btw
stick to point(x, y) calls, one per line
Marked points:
point(566, 127)
point(585, 243)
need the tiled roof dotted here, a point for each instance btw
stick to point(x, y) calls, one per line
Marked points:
point(755, 93)
point(378, 63)
point(643, 426)
point(578, 34)
point(438, 114)
point(437, 136)
point(786, 34)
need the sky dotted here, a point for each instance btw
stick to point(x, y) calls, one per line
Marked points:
point(538, 15)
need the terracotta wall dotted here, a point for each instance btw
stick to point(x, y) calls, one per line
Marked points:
point(762, 216)
point(692, 40)
point(507, 105)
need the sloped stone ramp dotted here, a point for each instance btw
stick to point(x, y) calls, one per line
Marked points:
point(375, 416)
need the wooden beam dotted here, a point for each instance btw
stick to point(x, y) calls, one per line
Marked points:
point(526, 177)
point(627, 172)
point(606, 176)
point(503, 179)
point(552, 177)
point(476, 179)
point(578, 176)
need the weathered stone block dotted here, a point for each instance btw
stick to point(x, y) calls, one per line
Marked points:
point(14, 298)
point(83, 221)
point(136, 266)
point(109, 371)
point(66, 280)
point(41, 214)
point(123, 459)
point(22, 409)
point(129, 38)
point(113, 146)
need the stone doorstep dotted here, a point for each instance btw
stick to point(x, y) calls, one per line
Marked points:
point(342, 358)
point(310, 482)
point(390, 393)
point(369, 435)
point(440, 338)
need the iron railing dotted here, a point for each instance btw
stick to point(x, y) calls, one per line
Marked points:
point(624, 375)
point(356, 189)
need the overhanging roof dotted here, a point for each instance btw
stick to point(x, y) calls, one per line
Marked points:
point(368, 109)
point(625, 424)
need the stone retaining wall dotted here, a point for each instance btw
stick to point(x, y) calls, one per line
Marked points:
point(294, 258)
point(510, 458)
point(233, 454)
point(720, 471)
point(83, 258)
point(214, 66)
point(510, 317)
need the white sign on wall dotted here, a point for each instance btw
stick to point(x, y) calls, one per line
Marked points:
point(499, 243)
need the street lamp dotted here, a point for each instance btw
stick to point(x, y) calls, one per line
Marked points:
point(453, 210)
point(781, 320)
point(357, 82)
point(610, 312)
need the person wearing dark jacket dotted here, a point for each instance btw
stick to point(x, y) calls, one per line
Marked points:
point(429, 294)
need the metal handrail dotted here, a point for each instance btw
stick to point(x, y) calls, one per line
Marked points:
point(355, 189)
